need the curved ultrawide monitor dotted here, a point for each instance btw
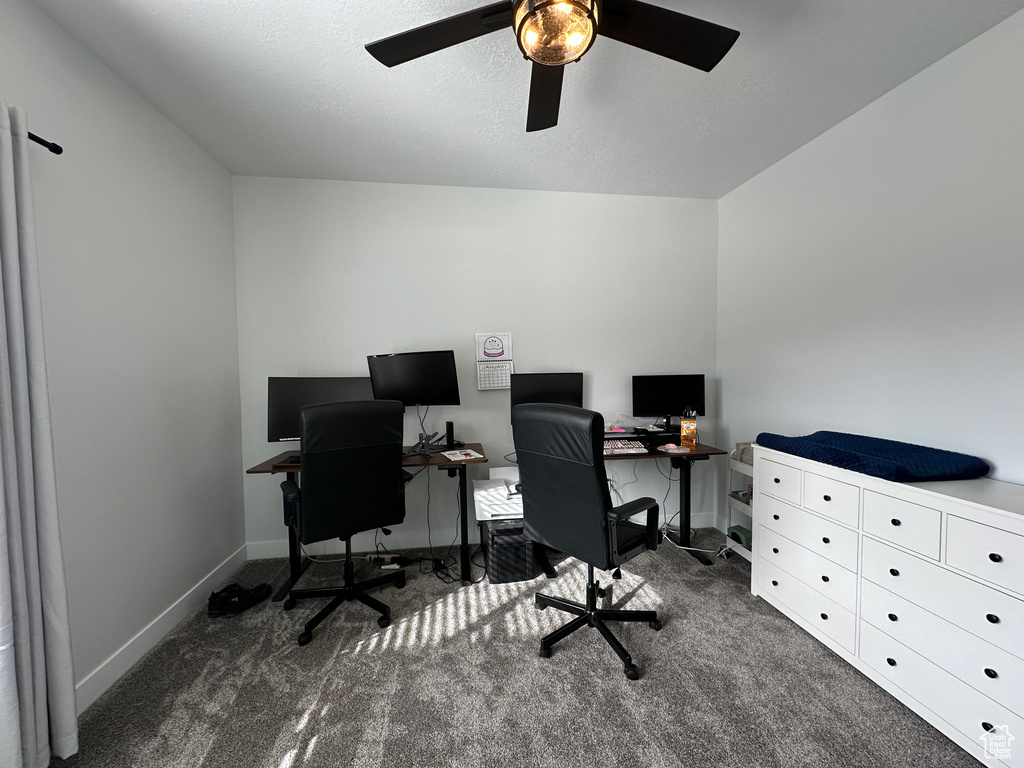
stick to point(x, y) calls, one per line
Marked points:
point(415, 378)
point(287, 394)
point(561, 388)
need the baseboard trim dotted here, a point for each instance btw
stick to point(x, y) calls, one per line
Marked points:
point(442, 538)
point(99, 680)
point(364, 542)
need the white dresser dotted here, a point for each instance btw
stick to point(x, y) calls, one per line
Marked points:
point(918, 585)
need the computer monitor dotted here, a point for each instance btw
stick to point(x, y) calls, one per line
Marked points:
point(668, 395)
point(415, 378)
point(562, 388)
point(287, 394)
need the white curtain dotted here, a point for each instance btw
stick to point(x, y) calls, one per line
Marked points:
point(38, 714)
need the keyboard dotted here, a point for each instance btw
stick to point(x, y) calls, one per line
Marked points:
point(621, 447)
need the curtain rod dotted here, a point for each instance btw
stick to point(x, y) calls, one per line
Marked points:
point(55, 148)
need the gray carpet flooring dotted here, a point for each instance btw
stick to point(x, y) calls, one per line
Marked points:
point(456, 680)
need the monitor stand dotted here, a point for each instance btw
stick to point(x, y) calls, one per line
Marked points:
point(423, 448)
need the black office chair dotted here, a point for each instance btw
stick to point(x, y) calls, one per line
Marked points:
point(352, 481)
point(567, 506)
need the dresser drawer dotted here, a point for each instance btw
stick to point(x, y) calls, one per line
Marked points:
point(780, 480)
point(832, 498)
point(817, 572)
point(968, 711)
point(986, 668)
point(986, 552)
point(981, 610)
point(827, 616)
point(903, 523)
point(824, 537)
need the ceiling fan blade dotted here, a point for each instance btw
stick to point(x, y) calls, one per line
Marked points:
point(682, 38)
point(545, 95)
point(438, 35)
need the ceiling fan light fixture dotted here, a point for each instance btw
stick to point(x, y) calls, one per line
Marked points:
point(555, 32)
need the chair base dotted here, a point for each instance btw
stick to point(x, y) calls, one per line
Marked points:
point(351, 590)
point(590, 615)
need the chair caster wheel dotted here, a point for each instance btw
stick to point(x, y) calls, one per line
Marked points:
point(601, 592)
point(289, 604)
point(545, 653)
point(655, 625)
point(631, 672)
point(617, 574)
point(304, 638)
point(538, 604)
point(383, 621)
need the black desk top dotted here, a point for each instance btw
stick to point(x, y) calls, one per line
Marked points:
point(281, 463)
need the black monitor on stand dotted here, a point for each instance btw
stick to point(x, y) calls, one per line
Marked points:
point(665, 396)
point(416, 378)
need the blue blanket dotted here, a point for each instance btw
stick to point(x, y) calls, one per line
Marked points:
point(888, 459)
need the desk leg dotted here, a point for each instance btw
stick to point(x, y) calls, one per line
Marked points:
point(464, 564)
point(685, 465)
point(296, 565)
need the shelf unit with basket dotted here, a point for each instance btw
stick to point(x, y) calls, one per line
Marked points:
point(739, 511)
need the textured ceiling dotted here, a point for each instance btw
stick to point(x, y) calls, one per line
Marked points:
point(285, 88)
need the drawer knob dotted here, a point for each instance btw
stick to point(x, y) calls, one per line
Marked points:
point(775, 550)
point(775, 517)
point(824, 578)
point(989, 672)
point(775, 583)
point(995, 557)
point(825, 539)
point(826, 497)
point(891, 661)
point(895, 521)
point(992, 618)
point(893, 617)
point(777, 481)
point(824, 616)
point(894, 572)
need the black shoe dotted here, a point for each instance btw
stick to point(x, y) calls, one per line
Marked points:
point(244, 599)
point(215, 606)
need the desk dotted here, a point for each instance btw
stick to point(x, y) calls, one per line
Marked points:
point(684, 461)
point(296, 566)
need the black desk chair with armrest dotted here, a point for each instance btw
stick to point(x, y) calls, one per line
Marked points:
point(352, 481)
point(567, 506)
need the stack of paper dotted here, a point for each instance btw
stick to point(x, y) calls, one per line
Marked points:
point(493, 501)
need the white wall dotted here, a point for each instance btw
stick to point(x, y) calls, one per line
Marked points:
point(329, 272)
point(135, 239)
point(873, 281)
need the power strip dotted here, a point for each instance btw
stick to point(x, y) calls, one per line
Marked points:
point(389, 561)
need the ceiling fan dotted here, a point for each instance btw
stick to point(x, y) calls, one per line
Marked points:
point(553, 33)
